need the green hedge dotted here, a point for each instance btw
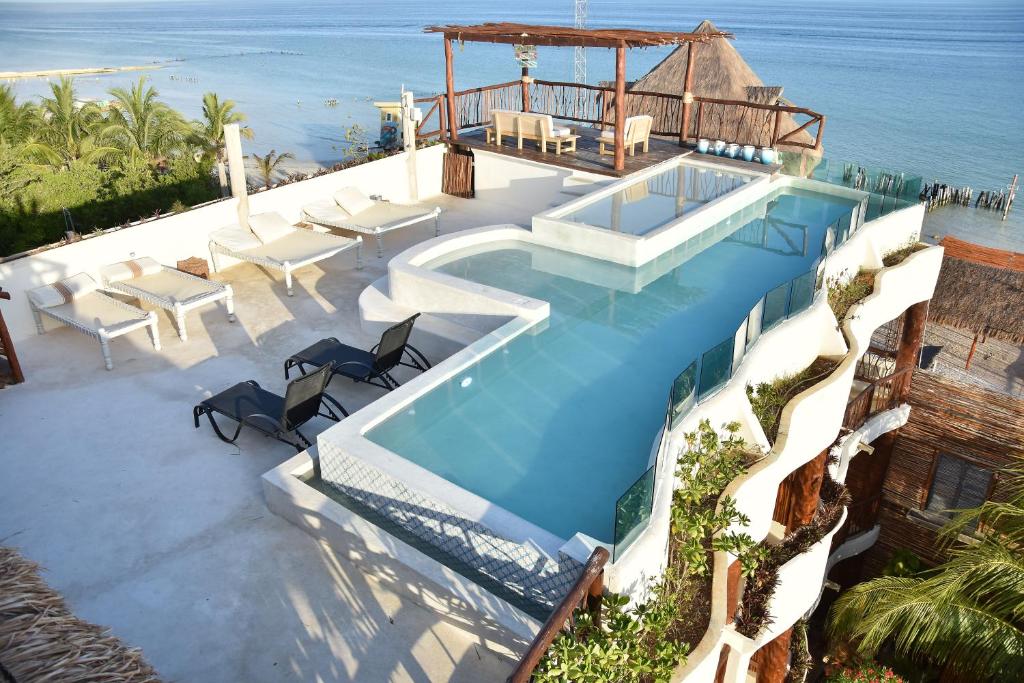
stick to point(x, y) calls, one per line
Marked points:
point(31, 200)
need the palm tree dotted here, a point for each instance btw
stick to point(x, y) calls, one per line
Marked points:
point(209, 132)
point(966, 615)
point(17, 121)
point(65, 129)
point(141, 126)
point(267, 165)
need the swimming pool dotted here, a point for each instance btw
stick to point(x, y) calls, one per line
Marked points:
point(582, 399)
point(649, 203)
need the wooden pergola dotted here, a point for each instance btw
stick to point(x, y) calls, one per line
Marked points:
point(567, 36)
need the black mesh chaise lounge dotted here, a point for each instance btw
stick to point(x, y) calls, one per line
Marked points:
point(278, 416)
point(373, 366)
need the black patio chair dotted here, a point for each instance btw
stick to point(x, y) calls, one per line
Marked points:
point(373, 366)
point(250, 404)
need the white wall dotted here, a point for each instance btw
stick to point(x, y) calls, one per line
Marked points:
point(180, 236)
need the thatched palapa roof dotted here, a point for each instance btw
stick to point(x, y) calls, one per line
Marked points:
point(40, 639)
point(979, 298)
point(720, 72)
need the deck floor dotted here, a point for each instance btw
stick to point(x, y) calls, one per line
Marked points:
point(586, 158)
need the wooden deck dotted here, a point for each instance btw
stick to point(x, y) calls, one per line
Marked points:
point(586, 157)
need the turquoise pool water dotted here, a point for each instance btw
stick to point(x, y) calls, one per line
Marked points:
point(655, 201)
point(554, 426)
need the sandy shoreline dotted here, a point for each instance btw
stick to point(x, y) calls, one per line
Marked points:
point(46, 73)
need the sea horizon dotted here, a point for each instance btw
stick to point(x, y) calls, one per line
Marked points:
point(922, 88)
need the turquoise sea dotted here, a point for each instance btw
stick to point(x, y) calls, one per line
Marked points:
point(928, 87)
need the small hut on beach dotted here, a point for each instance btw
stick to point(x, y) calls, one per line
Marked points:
point(720, 72)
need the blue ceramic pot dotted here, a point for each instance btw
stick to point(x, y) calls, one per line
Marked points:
point(767, 155)
point(703, 145)
point(732, 151)
point(719, 148)
point(748, 152)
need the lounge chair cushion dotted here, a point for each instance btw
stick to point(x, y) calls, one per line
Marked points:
point(126, 270)
point(377, 218)
point(172, 287)
point(270, 226)
point(235, 238)
point(63, 291)
point(561, 131)
point(352, 200)
point(300, 246)
point(98, 311)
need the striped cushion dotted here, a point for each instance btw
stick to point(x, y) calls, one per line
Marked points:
point(128, 270)
point(63, 291)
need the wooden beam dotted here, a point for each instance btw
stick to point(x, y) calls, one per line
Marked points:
point(620, 106)
point(526, 88)
point(684, 130)
point(449, 74)
point(910, 342)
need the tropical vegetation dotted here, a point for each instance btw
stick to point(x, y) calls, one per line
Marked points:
point(66, 164)
point(965, 617)
point(647, 642)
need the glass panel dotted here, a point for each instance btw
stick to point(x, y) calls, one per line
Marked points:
point(715, 367)
point(842, 229)
point(739, 344)
point(682, 395)
point(775, 306)
point(803, 292)
point(819, 279)
point(754, 322)
point(632, 512)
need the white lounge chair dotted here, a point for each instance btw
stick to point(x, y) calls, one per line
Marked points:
point(166, 287)
point(637, 132)
point(75, 302)
point(350, 209)
point(273, 242)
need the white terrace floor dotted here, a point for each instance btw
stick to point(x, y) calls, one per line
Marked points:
point(160, 531)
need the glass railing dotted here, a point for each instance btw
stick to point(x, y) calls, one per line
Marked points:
point(711, 370)
point(888, 190)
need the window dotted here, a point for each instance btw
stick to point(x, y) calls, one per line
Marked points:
point(956, 483)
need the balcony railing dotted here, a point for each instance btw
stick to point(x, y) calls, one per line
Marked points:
point(747, 123)
point(882, 394)
point(588, 588)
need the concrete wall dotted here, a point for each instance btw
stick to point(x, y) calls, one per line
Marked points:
point(180, 236)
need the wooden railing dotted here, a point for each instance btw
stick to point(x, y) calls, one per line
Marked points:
point(747, 123)
point(588, 587)
point(882, 394)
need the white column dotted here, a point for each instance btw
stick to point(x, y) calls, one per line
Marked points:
point(236, 167)
point(409, 124)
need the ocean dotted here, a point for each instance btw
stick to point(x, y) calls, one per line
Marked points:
point(927, 87)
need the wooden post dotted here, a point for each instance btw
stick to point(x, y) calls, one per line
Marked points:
point(821, 131)
point(773, 659)
point(910, 343)
point(1009, 197)
point(775, 127)
point(620, 106)
point(594, 594)
point(526, 80)
point(7, 346)
point(684, 130)
point(449, 74)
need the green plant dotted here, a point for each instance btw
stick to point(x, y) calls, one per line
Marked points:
point(864, 673)
point(965, 616)
point(799, 654)
point(903, 562)
point(897, 255)
point(357, 142)
point(142, 127)
point(209, 132)
point(768, 399)
point(842, 295)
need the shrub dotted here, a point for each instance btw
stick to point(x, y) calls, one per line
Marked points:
point(864, 673)
point(843, 295)
point(768, 399)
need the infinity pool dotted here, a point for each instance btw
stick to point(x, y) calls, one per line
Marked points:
point(650, 203)
point(555, 426)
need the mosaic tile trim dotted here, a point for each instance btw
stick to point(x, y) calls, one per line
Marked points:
point(522, 569)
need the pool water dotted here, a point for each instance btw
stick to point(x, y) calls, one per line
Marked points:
point(555, 426)
point(648, 204)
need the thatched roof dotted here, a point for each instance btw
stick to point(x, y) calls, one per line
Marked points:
point(764, 94)
point(979, 298)
point(719, 72)
point(40, 639)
